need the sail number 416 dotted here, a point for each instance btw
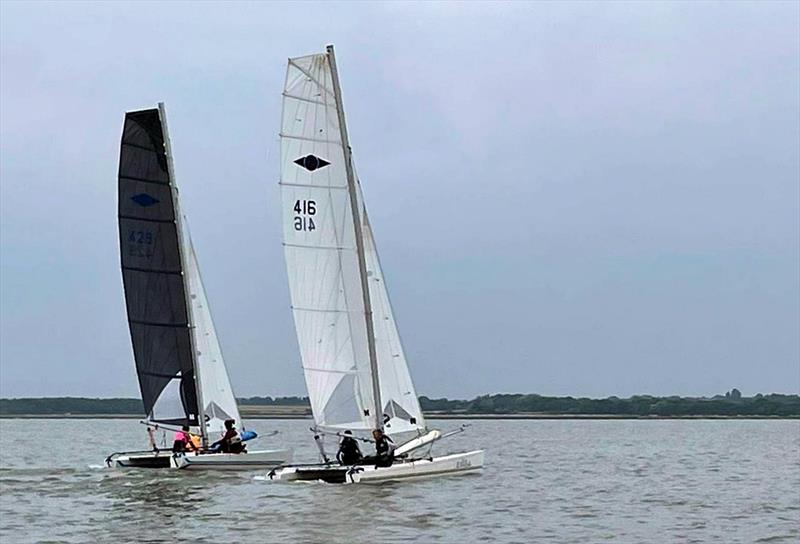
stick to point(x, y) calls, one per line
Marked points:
point(303, 210)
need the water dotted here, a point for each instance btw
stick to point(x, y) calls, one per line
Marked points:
point(545, 481)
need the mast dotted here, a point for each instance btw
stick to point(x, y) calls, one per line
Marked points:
point(162, 112)
point(362, 262)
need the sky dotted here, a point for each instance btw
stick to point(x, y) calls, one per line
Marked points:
point(569, 198)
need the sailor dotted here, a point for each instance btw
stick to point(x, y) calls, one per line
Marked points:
point(349, 452)
point(195, 443)
point(384, 449)
point(230, 442)
point(183, 441)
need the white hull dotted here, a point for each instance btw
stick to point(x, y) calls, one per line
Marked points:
point(448, 465)
point(253, 460)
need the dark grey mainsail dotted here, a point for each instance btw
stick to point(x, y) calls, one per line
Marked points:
point(152, 272)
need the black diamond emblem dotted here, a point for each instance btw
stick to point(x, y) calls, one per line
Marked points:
point(311, 162)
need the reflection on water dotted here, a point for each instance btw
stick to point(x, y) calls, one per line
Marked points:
point(564, 481)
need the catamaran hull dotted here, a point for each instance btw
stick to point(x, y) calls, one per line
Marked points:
point(448, 465)
point(459, 463)
point(254, 460)
point(151, 459)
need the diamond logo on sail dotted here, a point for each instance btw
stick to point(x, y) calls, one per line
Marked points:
point(144, 200)
point(311, 162)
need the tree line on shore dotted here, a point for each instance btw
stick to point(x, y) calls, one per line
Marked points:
point(730, 404)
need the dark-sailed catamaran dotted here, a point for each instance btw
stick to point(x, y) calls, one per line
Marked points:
point(182, 375)
point(354, 364)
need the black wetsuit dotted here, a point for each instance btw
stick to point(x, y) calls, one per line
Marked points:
point(384, 452)
point(349, 452)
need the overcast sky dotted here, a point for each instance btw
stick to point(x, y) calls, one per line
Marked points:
point(585, 199)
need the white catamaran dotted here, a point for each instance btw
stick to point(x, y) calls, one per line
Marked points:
point(353, 360)
point(182, 375)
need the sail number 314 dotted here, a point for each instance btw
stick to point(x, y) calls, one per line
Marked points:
point(304, 211)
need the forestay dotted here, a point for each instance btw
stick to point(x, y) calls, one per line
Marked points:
point(323, 268)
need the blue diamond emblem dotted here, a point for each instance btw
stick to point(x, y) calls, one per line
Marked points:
point(144, 200)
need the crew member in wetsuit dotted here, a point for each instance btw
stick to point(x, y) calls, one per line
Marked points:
point(230, 442)
point(384, 449)
point(349, 453)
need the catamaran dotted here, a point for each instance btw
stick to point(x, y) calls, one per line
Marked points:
point(182, 375)
point(354, 364)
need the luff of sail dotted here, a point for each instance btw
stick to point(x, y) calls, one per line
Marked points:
point(220, 403)
point(401, 409)
point(152, 273)
point(322, 264)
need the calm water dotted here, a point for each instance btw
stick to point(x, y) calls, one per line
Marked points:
point(545, 481)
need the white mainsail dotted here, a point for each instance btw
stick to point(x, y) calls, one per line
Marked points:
point(217, 394)
point(323, 267)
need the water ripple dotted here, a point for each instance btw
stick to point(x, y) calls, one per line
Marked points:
point(545, 481)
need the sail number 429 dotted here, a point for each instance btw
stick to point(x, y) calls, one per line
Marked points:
point(304, 210)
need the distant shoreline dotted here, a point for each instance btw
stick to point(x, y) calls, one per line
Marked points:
point(267, 416)
point(731, 405)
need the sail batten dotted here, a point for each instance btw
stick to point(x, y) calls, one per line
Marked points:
point(329, 187)
point(320, 247)
point(144, 180)
point(326, 279)
point(310, 138)
point(159, 324)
